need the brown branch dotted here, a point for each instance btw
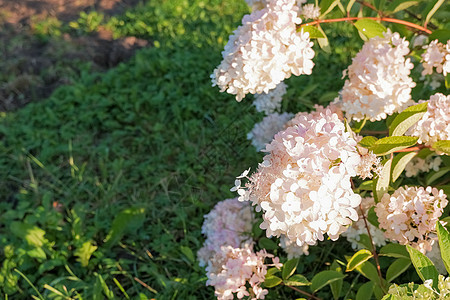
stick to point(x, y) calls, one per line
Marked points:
point(311, 296)
point(370, 132)
point(384, 19)
point(411, 149)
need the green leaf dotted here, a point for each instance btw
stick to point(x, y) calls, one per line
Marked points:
point(100, 285)
point(314, 33)
point(399, 163)
point(350, 5)
point(370, 28)
point(424, 153)
point(365, 291)
point(433, 10)
point(323, 278)
point(272, 281)
point(396, 268)
point(369, 271)
point(368, 141)
point(381, 182)
point(289, 268)
point(326, 6)
point(391, 144)
point(188, 253)
point(128, 220)
point(336, 286)
point(358, 258)
point(366, 185)
point(433, 176)
point(444, 244)
point(407, 118)
point(297, 280)
point(394, 250)
point(364, 241)
point(84, 252)
point(443, 146)
point(424, 267)
point(37, 253)
point(447, 81)
point(265, 243)
point(372, 217)
point(33, 235)
point(323, 42)
point(399, 5)
point(442, 35)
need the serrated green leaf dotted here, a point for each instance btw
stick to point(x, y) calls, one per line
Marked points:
point(407, 118)
point(391, 144)
point(84, 252)
point(370, 28)
point(435, 175)
point(424, 267)
point(399, 5)
point(358, 258)
point(399, 163)
point(272, 281)
point(394, 250)
point(289, 268)
point(265, 243)
point(368, 141)
point(381, 182)
point(323, 278)
point(442, 146)
point(314, 33)
point(397, 268)
point(444, 244)
point(297, 280)
point(365, 291)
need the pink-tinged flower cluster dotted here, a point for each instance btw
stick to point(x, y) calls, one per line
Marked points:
point(437, 55)
point(303, 184)
point(378, 82)
point(270, 102)
point(410, 214)
point(354, 232)
point(232, 267)
point(419, 165)
point(310, 11)
point(264, 50)
point(264, 131)
point(370, 163)
point(435, 123)
point(333, 108)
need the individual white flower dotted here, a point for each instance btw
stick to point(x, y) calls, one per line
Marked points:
point(264, 50)
point(303, 184)
point(270, 102)
point(410, 214)
point(419, 165)
point(353, 233)
point(437, 55)
point(264, 131)
point(378, 82)
point(310, 11)
point(435, 123)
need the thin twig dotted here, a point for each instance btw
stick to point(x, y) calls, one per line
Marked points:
point(311, 296)
point(370, 132)
point(384, 19)
point(411, 149)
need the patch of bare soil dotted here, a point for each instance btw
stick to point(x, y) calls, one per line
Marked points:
point(32, 67)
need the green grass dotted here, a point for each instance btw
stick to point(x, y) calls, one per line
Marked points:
point(108, 179)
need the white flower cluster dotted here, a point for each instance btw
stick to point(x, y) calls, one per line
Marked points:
point(270, 102)
point(418, 165)
point(303, 185)
point(410, 214)
point(435, 123)
point(228, 253)
point(379, 83)
point(292, 249)
point(354, 232)
point(423, 291)
point(310, 11)
point(264, 50)
point(437, 55)
point(264, 131)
